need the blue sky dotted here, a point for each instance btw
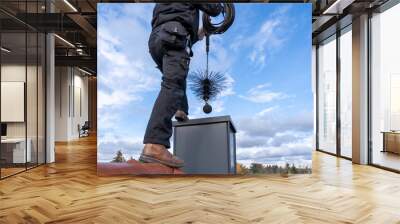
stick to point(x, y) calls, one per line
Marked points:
point(266, 55)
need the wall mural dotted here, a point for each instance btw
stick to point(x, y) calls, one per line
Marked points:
point(231, 97)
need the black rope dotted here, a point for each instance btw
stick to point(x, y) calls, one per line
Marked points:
point(217, 28)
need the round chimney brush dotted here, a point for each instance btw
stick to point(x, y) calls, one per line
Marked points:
point(207, 86)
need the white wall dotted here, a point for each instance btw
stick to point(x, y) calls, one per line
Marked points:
point(71, 93)
point(81, 108)
point(62, 81)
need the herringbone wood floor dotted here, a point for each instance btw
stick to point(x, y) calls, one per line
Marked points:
point(70, 192)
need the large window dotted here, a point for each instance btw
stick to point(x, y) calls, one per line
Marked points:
point(22, 78)
point(385, 88)
point(327, 95)
point(346, 92)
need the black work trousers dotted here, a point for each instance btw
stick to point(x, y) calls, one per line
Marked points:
point(170, 49)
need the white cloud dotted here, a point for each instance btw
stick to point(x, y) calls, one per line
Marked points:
point(106, 120)
point(218, 107)
point(262, 94)
point(229, 86)
point(265, 35)
point(116, 98)
point(272, 123)
point(275, 138)
point(124, 74)
point(109, 148)
point(107, 48)
point(267, 39)
point(267, 110)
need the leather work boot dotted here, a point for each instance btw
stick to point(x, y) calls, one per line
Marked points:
point(155, 153)
point(181, 116)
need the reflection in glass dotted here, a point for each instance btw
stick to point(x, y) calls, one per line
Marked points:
point(327, 96)
point(386, 89)
point(41, 98)
point(31, 101)
point(346, 93)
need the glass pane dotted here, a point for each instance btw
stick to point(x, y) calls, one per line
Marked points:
point(346, 93)
point(13, 89)
point(31, 100)
point(386, 89)
point(31, 86)
point(327, 96)
point(41, 98)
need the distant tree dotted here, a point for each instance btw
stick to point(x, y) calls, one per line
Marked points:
point(238, 168)
point(131, 158)
point(275, 169)
point(256, 168)
point(119, 158)
point(285, 169)
point(309, 169)
point(242, 169)
point(267, 169)
point(293, 169)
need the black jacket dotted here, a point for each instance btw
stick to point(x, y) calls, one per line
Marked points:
point(185, 13)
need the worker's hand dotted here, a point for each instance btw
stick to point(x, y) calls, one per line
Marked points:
point(201, 33)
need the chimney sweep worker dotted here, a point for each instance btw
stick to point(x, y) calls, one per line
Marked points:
point(175, 29)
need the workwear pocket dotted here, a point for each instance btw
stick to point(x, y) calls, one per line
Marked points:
point(175, 35)
point(185, 61)
point(176, 66)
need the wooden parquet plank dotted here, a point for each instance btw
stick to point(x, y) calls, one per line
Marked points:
point(69, 191)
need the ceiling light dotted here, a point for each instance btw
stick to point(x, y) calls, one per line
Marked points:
point(70, 5)
point(80, 51)
point(84, 71)
point(5, 50)
point(337, 7)
point(64, 40)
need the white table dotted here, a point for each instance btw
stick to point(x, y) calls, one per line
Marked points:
point(19, 153)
